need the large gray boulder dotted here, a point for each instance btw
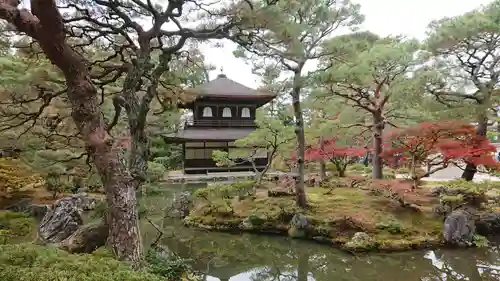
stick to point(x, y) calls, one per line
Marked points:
point(63, 218)
point(459, 228)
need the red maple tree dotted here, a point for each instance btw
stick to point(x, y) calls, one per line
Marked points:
point(340, 156)
point(433, 146)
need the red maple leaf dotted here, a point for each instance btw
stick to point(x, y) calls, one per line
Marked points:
point(432, 146)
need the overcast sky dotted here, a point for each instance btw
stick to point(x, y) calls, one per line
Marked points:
point(384, 17)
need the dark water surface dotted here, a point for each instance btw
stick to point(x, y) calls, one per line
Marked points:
point(262, 258)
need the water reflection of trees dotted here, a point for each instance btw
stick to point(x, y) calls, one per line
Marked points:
point(265, 258)
point(278, 259)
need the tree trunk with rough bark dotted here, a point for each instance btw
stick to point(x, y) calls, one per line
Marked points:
point(45, 25)
point(377, 130)
point(322, 165)
point(482, 129)
point(260, 175)
point(301, 198)
point(137, 109)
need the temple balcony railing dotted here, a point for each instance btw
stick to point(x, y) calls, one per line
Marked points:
point(220, 123)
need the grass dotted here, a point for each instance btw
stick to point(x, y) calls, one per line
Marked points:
point(334, 217)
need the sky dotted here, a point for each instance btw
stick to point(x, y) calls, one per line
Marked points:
point(384, 17)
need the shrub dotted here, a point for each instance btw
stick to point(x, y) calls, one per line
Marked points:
point(393, 227)
point(392, 189)
point(225, 191)
point(153, 189)
point(171, 267)
point(465, 191)
point(54, 184)
point(16, 227)
point(156, 171)
point(28, 262)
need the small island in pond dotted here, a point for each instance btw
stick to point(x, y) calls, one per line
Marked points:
point(355, 213)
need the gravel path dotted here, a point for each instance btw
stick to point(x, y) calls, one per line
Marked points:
point(454, 172)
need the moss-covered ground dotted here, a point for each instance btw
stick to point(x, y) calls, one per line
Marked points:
point(23, 260)
point(334, 216)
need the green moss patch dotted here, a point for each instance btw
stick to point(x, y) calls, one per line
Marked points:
point(16, 227)
point(28, 262)
point(334, 216)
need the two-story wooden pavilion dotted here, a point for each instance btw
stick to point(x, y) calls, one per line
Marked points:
point(223, 111)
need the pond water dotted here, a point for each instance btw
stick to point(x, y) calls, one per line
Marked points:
point(246, 257)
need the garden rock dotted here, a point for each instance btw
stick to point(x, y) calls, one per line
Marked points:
point(488, 224)
point(298, 226)
point(25, 206)
point(299, 221)
point(459, 228)
point(61, 220)
point(39, 211)
point(86, 239)
point(22, 206)
point(360, 240)
point(182, 204)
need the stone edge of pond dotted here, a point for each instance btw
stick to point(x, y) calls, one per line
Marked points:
point(399, 245)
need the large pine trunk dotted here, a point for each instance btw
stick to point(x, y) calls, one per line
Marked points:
point(46, 26)
point(301, 199)
point(110, 161)
point(377, 130)
point(482, 129)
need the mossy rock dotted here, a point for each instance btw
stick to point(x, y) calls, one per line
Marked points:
point(361, 241)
